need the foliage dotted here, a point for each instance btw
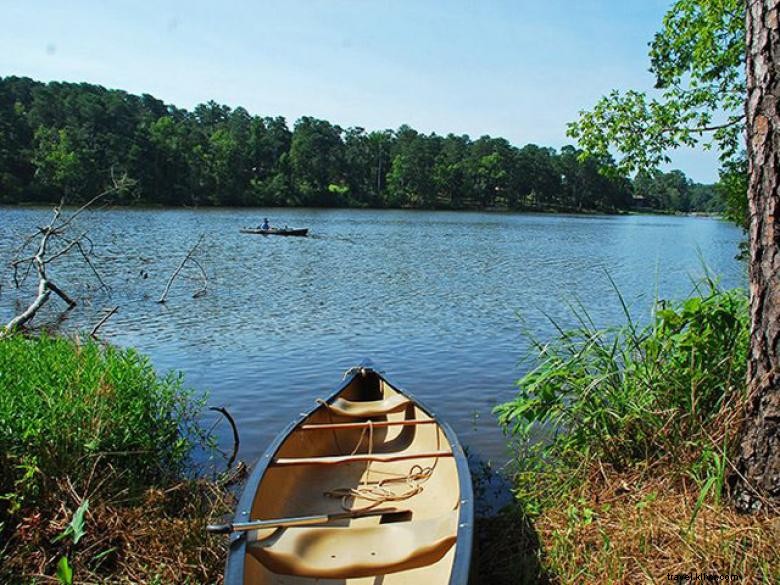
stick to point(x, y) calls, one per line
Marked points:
point(95, 449)
point(76, 527)
point(732, 190)
point(64, 572)
point(698, 61)
point(635, 393)
point(624, 437)
point(81, 407)
point(674, 191)
point(65, 139)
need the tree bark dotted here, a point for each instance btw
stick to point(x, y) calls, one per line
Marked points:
point(758, 464)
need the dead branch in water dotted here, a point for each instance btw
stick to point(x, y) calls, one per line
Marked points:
point(184, 261)
point(56, 231)
point(100, 323)
point(203, 289)
point(236, 441)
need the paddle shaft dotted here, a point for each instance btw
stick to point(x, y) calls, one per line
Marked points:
point(294, 521)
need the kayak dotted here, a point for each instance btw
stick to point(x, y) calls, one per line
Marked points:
point(367, 487)
point(276, 231)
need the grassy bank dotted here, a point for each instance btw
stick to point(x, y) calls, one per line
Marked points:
point(641, 423)
point(97, 484)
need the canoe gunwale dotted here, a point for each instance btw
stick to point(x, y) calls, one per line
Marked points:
point(459, 575)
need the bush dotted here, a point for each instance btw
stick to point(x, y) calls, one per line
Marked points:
point(667, 391)
point(96, 482)
point(631, 393)
point(77, 408)
point(638, 426)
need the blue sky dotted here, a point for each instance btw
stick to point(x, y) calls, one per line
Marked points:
point(518, 69)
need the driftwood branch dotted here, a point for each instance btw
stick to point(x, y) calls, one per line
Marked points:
point(203, 289)
point(236, 441)
point(55, 230)
point(100, 323)
point(176, 272)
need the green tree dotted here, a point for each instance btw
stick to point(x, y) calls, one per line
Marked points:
point(697, 59)
point(540, 180)
point(16, 170)
point(410, 181)
point(215, 155)
point(452, 180)
point(61, 162)
point(317, 161)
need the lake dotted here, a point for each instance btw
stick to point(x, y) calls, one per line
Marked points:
point(438, 300)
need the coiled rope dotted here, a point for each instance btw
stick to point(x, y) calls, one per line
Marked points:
point(384, 490)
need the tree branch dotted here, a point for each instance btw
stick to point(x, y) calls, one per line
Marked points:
point(55, 229)
point(105, 318)
point(164, 295)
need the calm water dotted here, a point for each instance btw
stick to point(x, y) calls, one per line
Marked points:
point(434, 298)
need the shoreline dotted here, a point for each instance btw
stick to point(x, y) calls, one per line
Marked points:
point(493, 210)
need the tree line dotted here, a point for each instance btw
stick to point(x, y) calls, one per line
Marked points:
point(67, 139)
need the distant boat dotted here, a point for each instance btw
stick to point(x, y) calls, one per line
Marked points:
point(275, 231)
point(369, 486)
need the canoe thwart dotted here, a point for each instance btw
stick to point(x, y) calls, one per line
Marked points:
point(375, 424)
point(374, 457)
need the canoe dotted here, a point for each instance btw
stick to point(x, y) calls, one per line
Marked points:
point(367, 487)
point(276, 231)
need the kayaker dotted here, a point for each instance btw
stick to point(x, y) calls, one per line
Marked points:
point(266, 225)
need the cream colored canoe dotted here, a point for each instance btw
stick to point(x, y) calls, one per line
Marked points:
point(368, 488)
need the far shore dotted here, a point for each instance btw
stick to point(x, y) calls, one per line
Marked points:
point(145, 206)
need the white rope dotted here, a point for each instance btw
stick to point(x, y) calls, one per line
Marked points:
point(382, 491)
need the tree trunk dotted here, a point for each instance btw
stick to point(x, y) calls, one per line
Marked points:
point(758, 463)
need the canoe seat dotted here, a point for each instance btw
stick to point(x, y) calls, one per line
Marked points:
point(370, 408)
point(360, 551)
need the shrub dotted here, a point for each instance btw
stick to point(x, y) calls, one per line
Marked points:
point(78, 408)
point(636, 393)
point(638, 427)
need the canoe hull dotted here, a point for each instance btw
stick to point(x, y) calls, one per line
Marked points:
point(276, 232)
point(445, 560)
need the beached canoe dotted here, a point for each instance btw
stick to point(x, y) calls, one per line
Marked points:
point(276, 231)
point(368, 487)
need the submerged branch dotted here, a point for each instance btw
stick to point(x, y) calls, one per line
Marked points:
point(100, 323)
point(176, 272)
point(56, 229)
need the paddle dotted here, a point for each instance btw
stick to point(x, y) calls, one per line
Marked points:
point(295, 521)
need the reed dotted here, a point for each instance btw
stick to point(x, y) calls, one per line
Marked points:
point(638, 426)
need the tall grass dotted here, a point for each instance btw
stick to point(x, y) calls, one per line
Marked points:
point(634, 393)
point(639, 427)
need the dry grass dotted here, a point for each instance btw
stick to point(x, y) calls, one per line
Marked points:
point(158, 539)
point(639, 527)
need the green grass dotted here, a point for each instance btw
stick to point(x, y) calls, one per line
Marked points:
point(640, 425)
point(636, 393)
point(97, 483)
point(77, 408)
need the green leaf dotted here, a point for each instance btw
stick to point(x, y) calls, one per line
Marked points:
point(64, 572)
point(76, 527)
point(77, 524)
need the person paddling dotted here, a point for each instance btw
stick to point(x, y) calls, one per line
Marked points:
point(266, 225)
